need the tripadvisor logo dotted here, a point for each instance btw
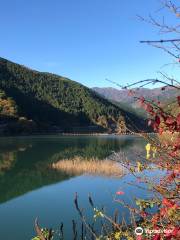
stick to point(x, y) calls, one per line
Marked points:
point(139, 231)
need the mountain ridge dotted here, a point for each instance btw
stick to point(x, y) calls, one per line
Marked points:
point(124, 100)
point(123, 94)
point(47, 100)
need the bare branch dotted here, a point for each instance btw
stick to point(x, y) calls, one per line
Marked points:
point(172, 7)
point(164, 48)
point(161, 41)
point(163, 27)
point(172, 80)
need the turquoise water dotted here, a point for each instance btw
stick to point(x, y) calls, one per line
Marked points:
point(29, 189)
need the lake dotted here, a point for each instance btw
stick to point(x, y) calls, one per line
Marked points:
point(29, 189)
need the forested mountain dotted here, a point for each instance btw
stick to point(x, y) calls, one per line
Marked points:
point(33, 101)
point(121, 97)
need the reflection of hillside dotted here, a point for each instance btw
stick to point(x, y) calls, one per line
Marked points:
point(96, 148)
point(136, 151)
point(25, 161)
point(6, 161)
point(8, 154)
point(14, 184)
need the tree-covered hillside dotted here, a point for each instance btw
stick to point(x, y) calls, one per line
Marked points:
point(49, 101)
point(124, 100)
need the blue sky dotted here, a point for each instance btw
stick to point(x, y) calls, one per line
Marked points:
point(85, 40)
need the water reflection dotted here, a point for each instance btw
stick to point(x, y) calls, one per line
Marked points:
point(24, 162)
point(24, 167)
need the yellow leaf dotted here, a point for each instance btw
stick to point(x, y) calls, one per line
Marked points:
point(139, 167)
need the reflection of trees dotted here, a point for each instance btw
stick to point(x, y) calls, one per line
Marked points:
point(135, 151)
point(14, 184)
point(25, 161)
point(97, 147)
point(8, 154)
point(6, 161)
point(23, 170)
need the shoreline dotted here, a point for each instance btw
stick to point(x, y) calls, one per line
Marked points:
point(70, 134)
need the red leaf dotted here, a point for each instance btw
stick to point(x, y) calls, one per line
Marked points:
point(120, 193)
point(178, 119)
point(155, 126)
point(167, 203)
point(139, 238)
point(157, 120)
point(163, 211)
point(170, 120)
point(178, 98)
point(176, 232)
point(171, 177)
point(157, 237)
point(144, 215)
point(149, 108)
point(141, 100)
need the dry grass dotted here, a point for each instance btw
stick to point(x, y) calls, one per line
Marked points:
point(79, 165)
